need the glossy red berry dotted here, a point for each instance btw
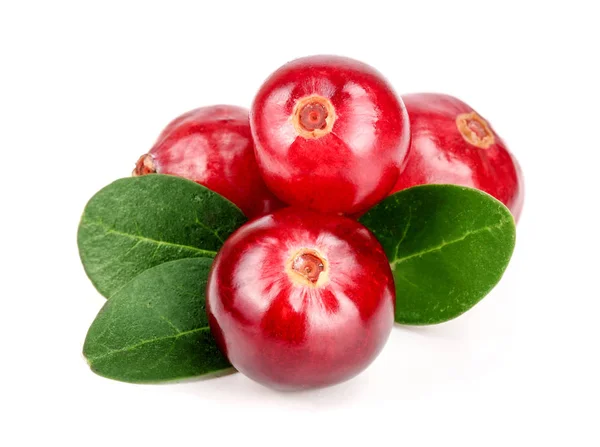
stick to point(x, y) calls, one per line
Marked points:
point(298, 299)
point(213, 146)
point(451, 143)
point(330, 133)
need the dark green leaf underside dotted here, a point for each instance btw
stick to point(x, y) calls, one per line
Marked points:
point(156, 328)
point(448, 246)
point(137, 223)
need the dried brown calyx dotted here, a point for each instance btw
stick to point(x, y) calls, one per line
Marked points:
point(144, 165)
point(313, 116)
point(475, 130)
point(308, 267)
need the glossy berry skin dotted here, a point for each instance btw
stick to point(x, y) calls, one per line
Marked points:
point(298, 299)
point(451, 143)
point(330, 133)
point(213, 146)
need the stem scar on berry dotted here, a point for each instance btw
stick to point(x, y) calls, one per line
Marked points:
point(307, 267)
point(475, 130)
point(144, 166)
point(313, 116)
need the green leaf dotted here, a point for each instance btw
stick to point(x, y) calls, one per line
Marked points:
point(156, 328)
point(139, 222)
point(448, 246)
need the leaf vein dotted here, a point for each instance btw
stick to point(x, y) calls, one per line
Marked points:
point(139, 238)
point(404, 233)
point(170, 323)
point(145, 342)
point(397, 261)
point(207, 228)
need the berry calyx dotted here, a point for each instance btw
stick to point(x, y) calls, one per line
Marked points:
point(308, 267)
point(475, 130)
point(144, 166)
point(313, 116)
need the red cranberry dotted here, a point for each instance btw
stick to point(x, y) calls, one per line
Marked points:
point(330, 134)
point(213, 146)
point(298, 299)
point(451, 143)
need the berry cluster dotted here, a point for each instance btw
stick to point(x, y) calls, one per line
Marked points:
point(303, 294)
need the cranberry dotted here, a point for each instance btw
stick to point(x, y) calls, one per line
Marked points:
point(299, 299)
point(451, 143)
point(330, 134)
point(213, 146)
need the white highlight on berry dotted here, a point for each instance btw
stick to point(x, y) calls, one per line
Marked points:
point(188, 160)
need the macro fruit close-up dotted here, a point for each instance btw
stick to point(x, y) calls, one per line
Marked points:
point(349, 224)
point(286, 240)
point(330, 134)
point(452, 143)
point(212, 146)
point(298, 299)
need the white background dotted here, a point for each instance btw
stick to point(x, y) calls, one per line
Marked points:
point(84, 90)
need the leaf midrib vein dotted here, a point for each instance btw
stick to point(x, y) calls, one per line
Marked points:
point(109, 230)
point(397, 261)
point(145, 342)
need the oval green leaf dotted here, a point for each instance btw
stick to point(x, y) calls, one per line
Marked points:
point(139, 222)
point(448, 247)
point(156, 328)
